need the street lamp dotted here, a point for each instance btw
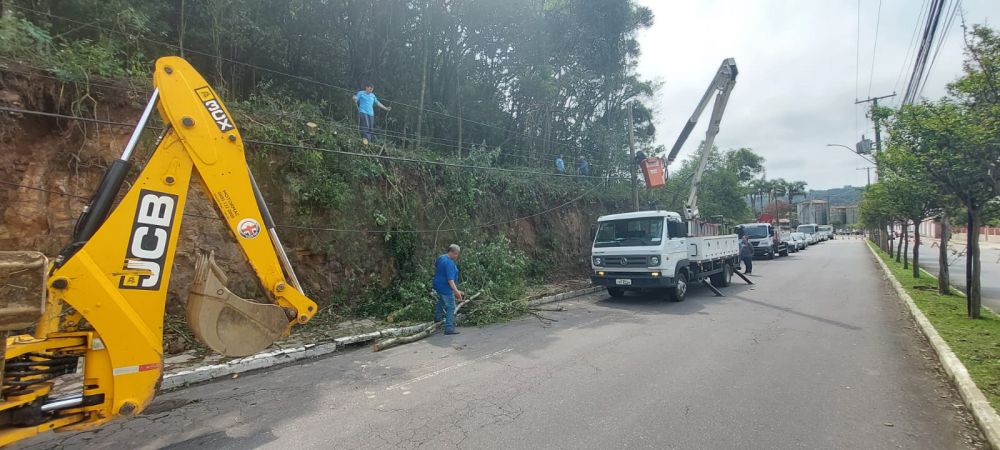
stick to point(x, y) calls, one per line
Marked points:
point(853, 151)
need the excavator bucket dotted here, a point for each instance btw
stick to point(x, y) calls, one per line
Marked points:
point(22, 289)
point(223, 321)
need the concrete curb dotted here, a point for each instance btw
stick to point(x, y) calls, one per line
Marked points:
point(565, 295)
point(985, 415)
point(276, 357)
point(288, 355)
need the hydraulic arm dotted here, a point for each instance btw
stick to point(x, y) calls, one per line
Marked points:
point(98, 308)
point(722, 85)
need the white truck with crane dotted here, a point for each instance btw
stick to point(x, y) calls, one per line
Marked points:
point(657, 250)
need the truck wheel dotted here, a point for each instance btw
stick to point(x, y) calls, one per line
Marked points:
point(722, 279)
point(679, 290)
point(616, 291)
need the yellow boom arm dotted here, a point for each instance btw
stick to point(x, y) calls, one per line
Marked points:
point(107, 291)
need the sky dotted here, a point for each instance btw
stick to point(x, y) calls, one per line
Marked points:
point(800, 71)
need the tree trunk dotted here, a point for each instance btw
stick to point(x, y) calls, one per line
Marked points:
point(899, 246)
point(180, 32)
point(905, 240)
point(944, 283)
point(458, 95)
point(886, 238)
point(916, 248)
point(972, 263)
point(423, 92)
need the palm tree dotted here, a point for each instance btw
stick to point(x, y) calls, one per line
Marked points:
point(795, 188)
point(757, 189)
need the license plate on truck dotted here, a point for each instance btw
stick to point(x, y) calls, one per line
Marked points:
point(623, 282)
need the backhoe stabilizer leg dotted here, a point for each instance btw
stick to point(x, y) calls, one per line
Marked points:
point(223, 321)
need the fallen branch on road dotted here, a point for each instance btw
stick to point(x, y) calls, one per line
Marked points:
point(546, 321)
point(394, 341)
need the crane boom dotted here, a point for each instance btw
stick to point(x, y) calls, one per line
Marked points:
point(722, 85)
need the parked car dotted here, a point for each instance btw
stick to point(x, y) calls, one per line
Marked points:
point(799, 241)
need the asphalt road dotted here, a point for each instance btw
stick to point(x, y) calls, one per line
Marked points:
point(817, 354)
point(989, 260)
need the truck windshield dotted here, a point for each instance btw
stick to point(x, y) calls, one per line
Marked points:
point(755, 231)
point(630, 232)
point(807, 229)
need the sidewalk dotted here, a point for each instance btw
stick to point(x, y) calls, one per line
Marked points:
point(956, 243)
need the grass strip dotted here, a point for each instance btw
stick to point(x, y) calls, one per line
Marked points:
point(975, 342)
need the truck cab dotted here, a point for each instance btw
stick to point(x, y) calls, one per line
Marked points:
point(766, 239)
point(650, 250)
point(825, 232)
point(811, 232)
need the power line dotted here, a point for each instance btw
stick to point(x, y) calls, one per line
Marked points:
point(471, 227)
point(857, 69)
point(909, 52)
point(306, 228)
point(437, 141)
point(449, 143)
point(443, 142)
point(278, 72)
point(920, 62)
point(878, 20)
point(13, 186)
point(339, 152)
point(423, 161)
point(956, 4)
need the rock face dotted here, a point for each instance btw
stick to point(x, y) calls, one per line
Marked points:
point(49, 168)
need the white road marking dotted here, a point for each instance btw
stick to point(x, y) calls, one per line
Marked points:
point(446, 369)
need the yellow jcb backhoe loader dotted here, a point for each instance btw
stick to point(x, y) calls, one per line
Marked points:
point(97, 308)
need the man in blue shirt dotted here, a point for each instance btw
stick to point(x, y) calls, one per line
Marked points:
point(582, 166)
point(445, 277)
point(366, 102)
point(560, 165)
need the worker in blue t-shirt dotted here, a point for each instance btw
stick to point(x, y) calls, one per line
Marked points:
point(582, 166)
point(366, 102)
point(445, 277)
point(560, 165)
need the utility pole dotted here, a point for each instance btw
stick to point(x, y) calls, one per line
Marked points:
point(631, 154)
point(874, 115)
point(868, 171)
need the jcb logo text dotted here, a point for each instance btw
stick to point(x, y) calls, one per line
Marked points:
point(147, 247)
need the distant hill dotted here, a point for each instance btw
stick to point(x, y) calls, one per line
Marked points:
point(847, 195)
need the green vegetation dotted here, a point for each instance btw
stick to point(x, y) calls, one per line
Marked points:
point(535, 79)
point(976, 342)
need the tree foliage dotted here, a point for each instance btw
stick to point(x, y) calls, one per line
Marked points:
point(535, 78)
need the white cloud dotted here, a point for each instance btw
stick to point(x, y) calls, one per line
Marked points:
point(797, 82)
